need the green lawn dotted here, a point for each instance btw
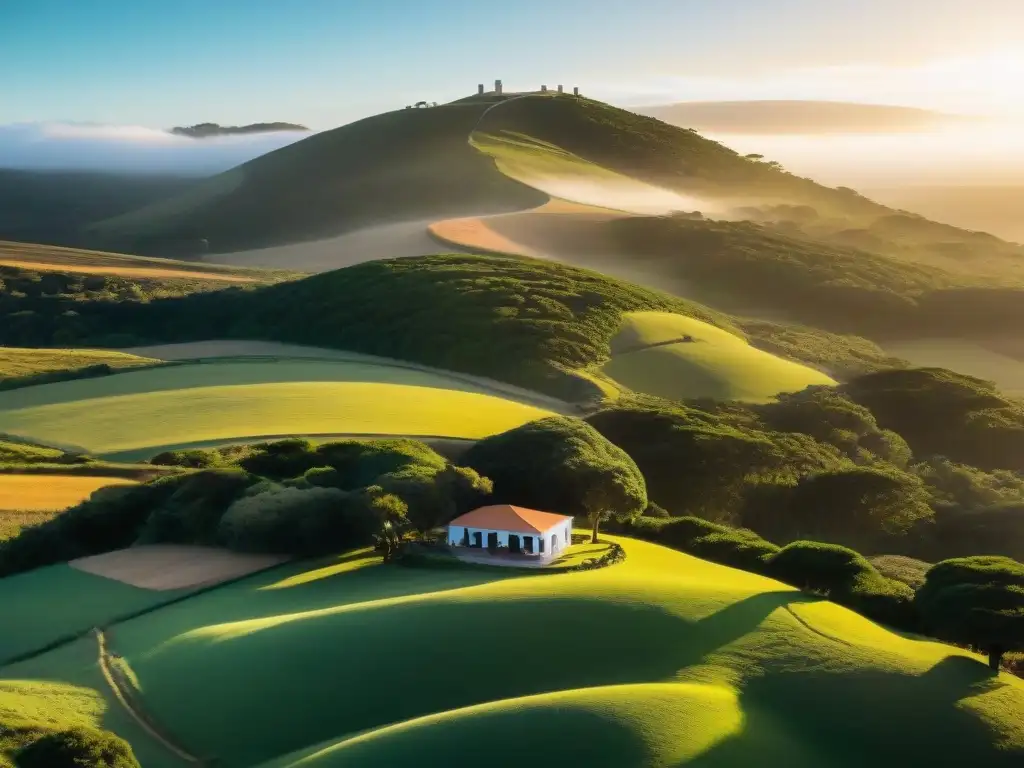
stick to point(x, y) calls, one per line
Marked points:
point(66, 689)
point(42, 606)
point(661, 660)
point(649, 355)
point(138, 412)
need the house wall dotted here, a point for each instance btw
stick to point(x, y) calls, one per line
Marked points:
point(563, 531)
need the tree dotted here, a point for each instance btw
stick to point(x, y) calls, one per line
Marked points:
point(391, 512)
point(976, 601)
point(436, 498)
point(77, 748)
point(562, 465)
point(858, 502)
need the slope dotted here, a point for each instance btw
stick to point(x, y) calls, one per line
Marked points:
point(398, 166)
point(138, 413)
point(661, 660)
point(679, 358)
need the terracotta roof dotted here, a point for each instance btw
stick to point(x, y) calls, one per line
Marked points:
point(505, 517)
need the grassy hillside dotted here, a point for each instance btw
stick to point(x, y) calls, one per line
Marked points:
point(139, 413)
point(660, 154)
point(17, 363)
point(745, 267)
point(56, 206)
point(679, 661)
point(679, 358)
point(64, 690)
point(76, 602)
point(409, 164)
point(47, 258)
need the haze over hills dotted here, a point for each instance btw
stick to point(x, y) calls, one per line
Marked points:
point(797, 117)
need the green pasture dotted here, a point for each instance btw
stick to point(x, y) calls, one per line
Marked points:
point(661, 660)
point(678, 358)
point(43, 606)
point(183, 405)
point(65, 689)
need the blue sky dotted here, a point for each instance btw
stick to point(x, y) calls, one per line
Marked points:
point(327, 62)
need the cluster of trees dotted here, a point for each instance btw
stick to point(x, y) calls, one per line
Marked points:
point(286, 497)
point(818, 465)
point(976, 602)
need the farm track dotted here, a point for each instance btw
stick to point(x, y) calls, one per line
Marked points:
point(126, 695)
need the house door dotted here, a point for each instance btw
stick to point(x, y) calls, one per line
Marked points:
point(478, 539)
point(554, 544)
point(528, 544)
point(465, 537)
point(513, 544)
point(492, 541)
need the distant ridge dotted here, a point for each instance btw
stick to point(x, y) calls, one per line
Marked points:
point(796, 117)
point(205, 130)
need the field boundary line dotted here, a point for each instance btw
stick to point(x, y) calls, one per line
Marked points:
point(78, 635)
point(128, 701)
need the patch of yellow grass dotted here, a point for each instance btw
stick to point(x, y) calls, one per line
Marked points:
point(18, 361)
point(223, 401)
point(45, 493)
point(677, 357)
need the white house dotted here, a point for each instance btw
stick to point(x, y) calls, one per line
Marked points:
point(524, 532)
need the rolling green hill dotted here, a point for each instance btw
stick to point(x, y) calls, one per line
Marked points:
point(136, 414)
point(679, 358)
point(661, 660)
point(409, 164)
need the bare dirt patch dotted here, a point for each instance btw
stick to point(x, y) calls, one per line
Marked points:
point(559, 229)
point(171, 566)
point(387, 241)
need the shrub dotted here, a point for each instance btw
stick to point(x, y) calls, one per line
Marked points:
point(654, 510)
point(308, 522)
point(192, 512)
point(360, 462)
point(818, 567)
point(77, 748)
point(324, 477)
point(282, 459)
point(194, 458)
point(738, 548)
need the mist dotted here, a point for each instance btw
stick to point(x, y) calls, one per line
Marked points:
point(129, 149)
point(975, 153)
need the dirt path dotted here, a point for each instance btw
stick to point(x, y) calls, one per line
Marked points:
point(127, 697)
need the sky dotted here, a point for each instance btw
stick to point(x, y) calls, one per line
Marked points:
point(94, 83)
point(326, 62)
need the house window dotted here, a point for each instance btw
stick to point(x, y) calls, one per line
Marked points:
point(540, 544)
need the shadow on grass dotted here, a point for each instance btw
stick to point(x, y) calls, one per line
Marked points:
point(854, 719)
point(393, 663)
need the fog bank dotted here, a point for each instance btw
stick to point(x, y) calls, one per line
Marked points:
point(129, 148)
point(984, 152)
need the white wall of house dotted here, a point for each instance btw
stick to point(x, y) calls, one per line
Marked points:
point(562, 534)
